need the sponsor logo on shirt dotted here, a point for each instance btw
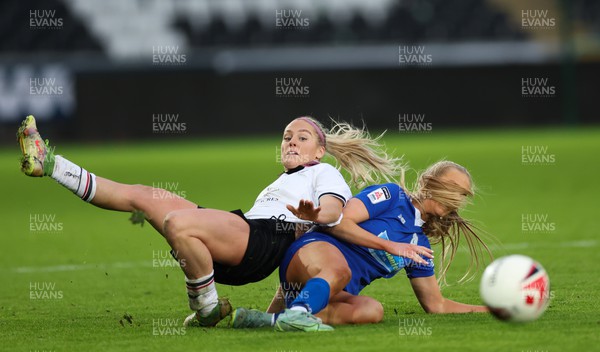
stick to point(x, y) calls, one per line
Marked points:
point(379, 195)
point(392, 263)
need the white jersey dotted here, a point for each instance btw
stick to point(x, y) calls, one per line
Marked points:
point(303, 182)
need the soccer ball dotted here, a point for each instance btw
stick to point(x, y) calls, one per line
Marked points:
point(515, 288)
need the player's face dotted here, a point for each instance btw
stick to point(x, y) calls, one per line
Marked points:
point(300, 145)
point(451, 175)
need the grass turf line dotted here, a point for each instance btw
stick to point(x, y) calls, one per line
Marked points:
point(229, 174)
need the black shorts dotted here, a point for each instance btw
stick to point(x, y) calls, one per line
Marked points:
point(268, 241)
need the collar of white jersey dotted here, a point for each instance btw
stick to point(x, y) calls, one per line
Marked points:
point(301, 167)
point(418, 221)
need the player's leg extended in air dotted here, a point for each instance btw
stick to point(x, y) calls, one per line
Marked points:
point(221, 229)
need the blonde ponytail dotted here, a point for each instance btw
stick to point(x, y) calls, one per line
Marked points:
point(449, 230)
point(362, 156)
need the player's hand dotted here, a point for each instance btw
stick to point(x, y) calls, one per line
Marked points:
point(306, 210)
point(410, 251)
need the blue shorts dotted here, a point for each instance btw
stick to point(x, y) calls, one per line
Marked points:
point(364, 268)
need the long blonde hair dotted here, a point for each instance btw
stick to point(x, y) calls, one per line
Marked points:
point(447, 230)
point(363, 157)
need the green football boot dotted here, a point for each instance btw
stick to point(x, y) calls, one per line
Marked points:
point(243, 318)
point(38, 156)
point(295, 320)
point(219, 312)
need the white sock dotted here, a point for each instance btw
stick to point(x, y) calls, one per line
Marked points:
point(77, 179)
point(202, 293)
point(274, 319)
point(300, 308)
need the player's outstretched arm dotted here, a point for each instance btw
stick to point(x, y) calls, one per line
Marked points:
point(328, 211)
point(430, 297)
point(349, 231)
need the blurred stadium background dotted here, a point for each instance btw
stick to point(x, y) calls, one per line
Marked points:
point(111, 69)
point(159, 92)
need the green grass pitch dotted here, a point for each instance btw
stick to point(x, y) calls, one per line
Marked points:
point(77, 278)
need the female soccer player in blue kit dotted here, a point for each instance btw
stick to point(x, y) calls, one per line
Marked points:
point(231, 247)
point(332, 272)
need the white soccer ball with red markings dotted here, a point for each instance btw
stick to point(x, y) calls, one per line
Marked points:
point(515, 288)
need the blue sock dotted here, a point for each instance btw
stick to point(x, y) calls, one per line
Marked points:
point(314, 296)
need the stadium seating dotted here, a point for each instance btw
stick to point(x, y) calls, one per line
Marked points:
point(17, 35)
point(129, 29)
point(125, 29)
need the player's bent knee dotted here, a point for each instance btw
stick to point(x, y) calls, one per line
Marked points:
point(337, 276)
point(345, 275)
point(377, 312)
point(174, 225)
point(371, 313)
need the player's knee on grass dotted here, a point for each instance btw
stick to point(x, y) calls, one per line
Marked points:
point(375, 312)
point(369, 311)
point(352, 310)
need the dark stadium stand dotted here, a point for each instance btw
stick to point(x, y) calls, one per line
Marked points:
point(72, 36)
point(205, 24)
point(239, 44)
point(408, 22)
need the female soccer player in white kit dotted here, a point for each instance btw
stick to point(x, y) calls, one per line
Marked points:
point(230, 247)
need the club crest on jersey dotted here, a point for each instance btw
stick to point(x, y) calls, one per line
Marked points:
point(379, 195)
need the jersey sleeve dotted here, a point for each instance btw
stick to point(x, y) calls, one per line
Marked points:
point(414, 270)
point(329, 181)
point(379, 198)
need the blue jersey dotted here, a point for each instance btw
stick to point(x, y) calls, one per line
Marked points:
point(391, 216)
